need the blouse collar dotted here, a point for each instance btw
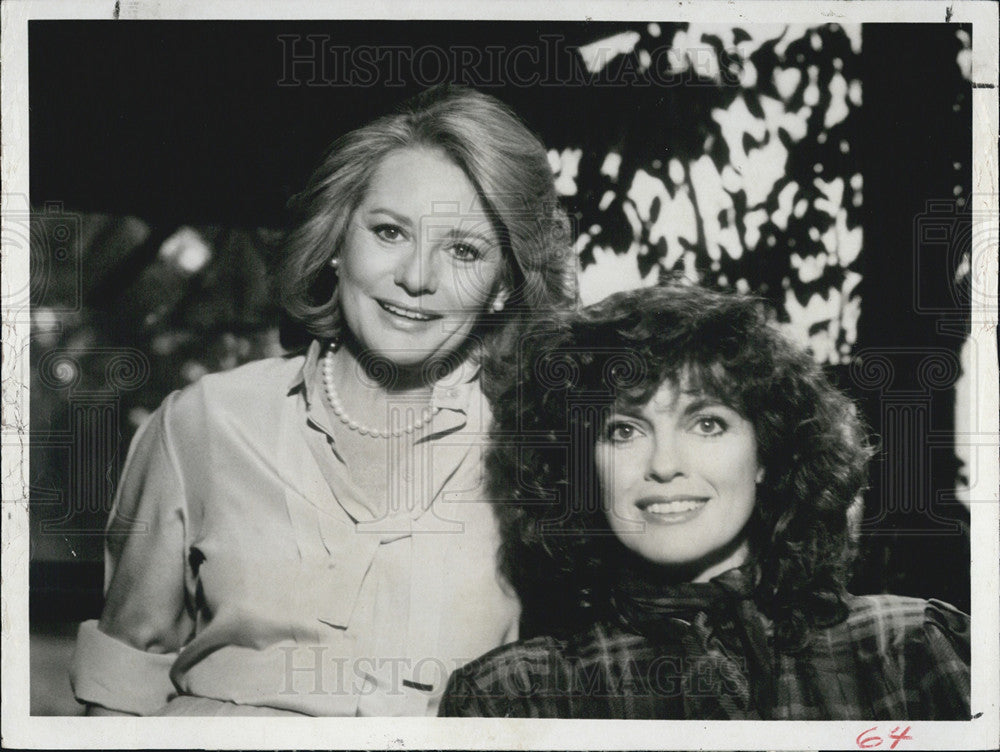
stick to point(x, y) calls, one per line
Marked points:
point(462, 407)
point(641, 596)
point(453, 392)
point(697, 613)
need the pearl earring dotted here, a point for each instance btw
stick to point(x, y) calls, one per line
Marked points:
point(335, 264)
point(497, 305)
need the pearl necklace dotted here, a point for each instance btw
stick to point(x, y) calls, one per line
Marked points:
point(347, 420)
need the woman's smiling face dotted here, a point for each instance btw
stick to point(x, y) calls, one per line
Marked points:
point(678, 478)
point(421, 261)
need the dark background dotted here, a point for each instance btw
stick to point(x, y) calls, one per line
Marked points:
point(139, 128)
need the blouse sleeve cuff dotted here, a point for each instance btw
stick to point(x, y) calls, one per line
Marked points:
point(117, 676)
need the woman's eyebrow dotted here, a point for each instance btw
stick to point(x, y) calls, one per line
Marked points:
point(400, 218)
point(700, 401)
point(629, 409)
point(461, 233)
point(451, 232)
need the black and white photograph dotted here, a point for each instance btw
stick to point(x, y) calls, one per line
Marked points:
point(405, 364)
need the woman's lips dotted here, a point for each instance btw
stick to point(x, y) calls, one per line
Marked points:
point(671, 509)
point(405, 312)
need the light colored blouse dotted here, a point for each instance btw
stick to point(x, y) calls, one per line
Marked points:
point(244, 566)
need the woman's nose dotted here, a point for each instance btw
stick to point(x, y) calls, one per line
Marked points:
point(415, 272)
point(665, 462)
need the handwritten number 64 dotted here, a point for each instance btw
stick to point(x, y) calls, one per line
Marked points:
point(867, 740)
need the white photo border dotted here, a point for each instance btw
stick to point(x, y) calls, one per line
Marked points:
point(21, 730)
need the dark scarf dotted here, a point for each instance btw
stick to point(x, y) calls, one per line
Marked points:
point(723, 637)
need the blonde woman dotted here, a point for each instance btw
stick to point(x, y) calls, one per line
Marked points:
point(307, 534)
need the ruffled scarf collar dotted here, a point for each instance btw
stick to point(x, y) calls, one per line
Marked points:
point(716, 621)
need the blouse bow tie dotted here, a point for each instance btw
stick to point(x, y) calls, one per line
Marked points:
point(719, 628)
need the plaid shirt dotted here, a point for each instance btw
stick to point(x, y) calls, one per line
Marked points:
point(891, 658)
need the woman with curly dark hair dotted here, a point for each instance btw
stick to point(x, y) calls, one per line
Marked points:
point(674, 481)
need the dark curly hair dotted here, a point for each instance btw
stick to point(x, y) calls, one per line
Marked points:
point(558, 551)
